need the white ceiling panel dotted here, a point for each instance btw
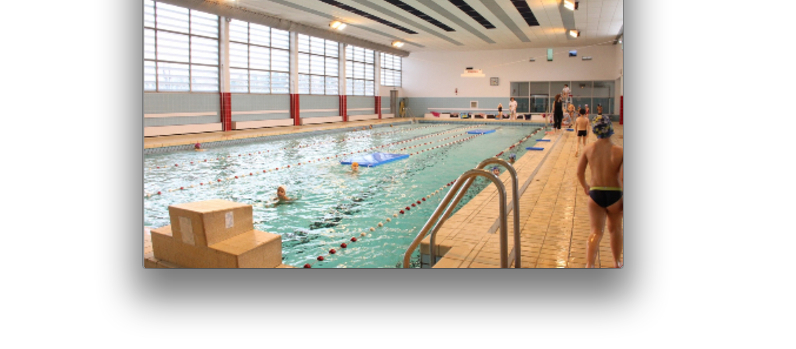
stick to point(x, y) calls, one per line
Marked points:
point(599, 21)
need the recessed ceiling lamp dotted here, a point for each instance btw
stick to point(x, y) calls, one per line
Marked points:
point(571, 5)
point(337, 25)
point(397, 43)
point(574, 33)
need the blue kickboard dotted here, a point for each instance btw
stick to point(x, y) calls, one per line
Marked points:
point(480, 131)
point(534, 148)
point(543, 140)
point(570, 129)
point(373, 160)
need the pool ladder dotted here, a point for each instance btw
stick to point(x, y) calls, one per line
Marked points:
point(456, 193)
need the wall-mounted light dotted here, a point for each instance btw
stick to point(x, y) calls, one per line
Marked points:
point(337, 25)
point(574, 33)
point(397, 43)
point(571, 5)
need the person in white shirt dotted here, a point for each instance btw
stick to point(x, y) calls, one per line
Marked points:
point(513, 109)
point(565, 93)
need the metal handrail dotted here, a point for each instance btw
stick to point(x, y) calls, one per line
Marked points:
point(454, 191)
point(460, 195)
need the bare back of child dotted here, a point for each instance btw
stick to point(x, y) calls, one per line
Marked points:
point(605, 190)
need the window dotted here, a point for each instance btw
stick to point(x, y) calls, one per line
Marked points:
point(318, 70)
point(259, 58)
point(390, 70)
point(360, 74)
point(180, 49)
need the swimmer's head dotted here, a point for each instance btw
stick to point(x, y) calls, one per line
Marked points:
point(281, 191)
point(496, 170)
point(355, 166)
point(582, 111)
point(602, 127)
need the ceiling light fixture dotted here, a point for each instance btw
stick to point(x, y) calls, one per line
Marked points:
point(337, 25)
point(571, 5)
point(397, 43)
point(574, 33)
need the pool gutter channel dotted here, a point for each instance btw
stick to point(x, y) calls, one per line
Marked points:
point(216, 144)
point(510, 205)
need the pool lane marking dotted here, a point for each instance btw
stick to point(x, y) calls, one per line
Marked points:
point(295, 147)
point(332, 158)
point(333, 251)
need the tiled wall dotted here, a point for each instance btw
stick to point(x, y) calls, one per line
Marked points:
point(420, 105)
point(309, 102)
point(356, 102)
point(162, 103)
point(254, 102)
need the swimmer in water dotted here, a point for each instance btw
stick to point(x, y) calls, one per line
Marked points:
point(355, 167)
point(512, 158)
point(198, 147)
point(371, 127)
point(281, 194)
point(496, 171)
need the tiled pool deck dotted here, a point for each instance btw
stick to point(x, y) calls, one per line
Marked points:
point(554, 218)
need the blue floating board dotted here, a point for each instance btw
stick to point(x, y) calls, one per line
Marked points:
point(543, 140)
point(570, 129)
point(534, 148)
point(480, 131)
point(373, 160)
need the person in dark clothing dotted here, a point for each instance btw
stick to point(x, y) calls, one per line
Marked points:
point(558, 113)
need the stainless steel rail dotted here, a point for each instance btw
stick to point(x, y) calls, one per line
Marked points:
point(515, 200)
point(456, 192)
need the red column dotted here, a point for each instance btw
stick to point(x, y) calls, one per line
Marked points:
point(294, 109)
point(621, 110)
point(344, 108)
point(378, 106)
point(226, 111)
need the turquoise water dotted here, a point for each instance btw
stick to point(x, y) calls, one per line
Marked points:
point(333, 204)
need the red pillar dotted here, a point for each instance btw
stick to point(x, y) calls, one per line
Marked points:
point(621, 110)
point(378, 106)
point(344, 108)
point(226, 111)
point(294, 109)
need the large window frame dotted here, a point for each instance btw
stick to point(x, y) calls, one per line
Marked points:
point(259, 59)
point(391, 70)
point(318, 66)
point(360, 71)
point(180, 49)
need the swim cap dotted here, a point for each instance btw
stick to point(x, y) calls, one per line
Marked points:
point(602, 127)
point(513, 156)
point(355, 164)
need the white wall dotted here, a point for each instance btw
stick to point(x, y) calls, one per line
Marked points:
point(438, 73)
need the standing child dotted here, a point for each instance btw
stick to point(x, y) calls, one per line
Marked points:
point(582, 129)
point(605, 193)
point(513, 109)
point(500, 111)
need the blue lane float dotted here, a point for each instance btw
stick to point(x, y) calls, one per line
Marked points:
point(543, 140)
point(373, 160)
point(534, 148)
point(480, 132)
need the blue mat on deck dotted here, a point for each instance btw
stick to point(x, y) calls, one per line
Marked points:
point(480, 131)
point(534, 148)
point(543, 140)
point(375, 159)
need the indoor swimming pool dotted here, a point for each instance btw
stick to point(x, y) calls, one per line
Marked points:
point(331, 202)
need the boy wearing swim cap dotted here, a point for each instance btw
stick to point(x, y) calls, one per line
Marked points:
point(582, 129)
point(605, 192)
point(354, 167)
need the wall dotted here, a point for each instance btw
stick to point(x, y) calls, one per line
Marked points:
point(174, 108)
point(255, 107)
point(438, 74)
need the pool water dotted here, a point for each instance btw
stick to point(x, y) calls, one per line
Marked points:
point(333, 204)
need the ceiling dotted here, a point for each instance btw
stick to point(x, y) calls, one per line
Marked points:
point(442, 26)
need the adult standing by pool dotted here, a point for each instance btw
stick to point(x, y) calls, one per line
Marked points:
point(558, 113)
point(513, 109)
